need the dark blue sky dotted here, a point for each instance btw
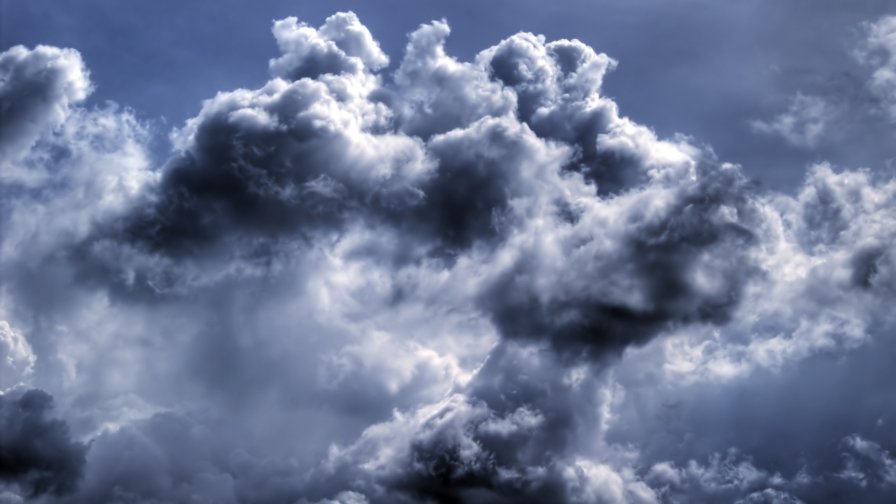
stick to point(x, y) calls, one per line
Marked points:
point(699, 67)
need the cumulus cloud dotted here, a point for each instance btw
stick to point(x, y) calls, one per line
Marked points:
point(341, 45)
point(437, 92)
point(461, 281)
point(38, 89)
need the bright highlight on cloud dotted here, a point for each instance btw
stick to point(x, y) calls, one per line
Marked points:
point(436, 281)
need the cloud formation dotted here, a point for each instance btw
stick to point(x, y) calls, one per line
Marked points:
point(459, 281)
point(16, 356)
point(37, 454)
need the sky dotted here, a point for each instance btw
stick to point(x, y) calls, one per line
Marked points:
point(427, 252)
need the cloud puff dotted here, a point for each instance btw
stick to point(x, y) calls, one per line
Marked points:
point(289, 157)
point(16, 356)
point(473, 446)
point(341, 45)
point(665, 256)
point(73, 166)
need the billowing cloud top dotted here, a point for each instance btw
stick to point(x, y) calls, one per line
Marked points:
point(455, 281)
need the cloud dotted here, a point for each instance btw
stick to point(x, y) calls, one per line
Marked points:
point(37, 454)
point(879, 52)
point(38, 89)
point(867, 463)
point(667, 255)
point(436, 93)
point(803, 124)
point(73, 166)
point(16, 356)
point(289, 157)
point(341, 45)
point(462, 281)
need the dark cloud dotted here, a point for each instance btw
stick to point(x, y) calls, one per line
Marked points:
point(503, 443)
point(481, 170)
point(37, 454)
point(272, 161)
point(505, 437)
point(653, 277)
point(557, 86)
point(296, 159)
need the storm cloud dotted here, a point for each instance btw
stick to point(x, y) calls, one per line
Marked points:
point(439, 281)
point(37, 454)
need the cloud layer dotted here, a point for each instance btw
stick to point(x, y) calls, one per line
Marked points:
point(452, 281)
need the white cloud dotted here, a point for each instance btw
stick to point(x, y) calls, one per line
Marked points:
point(38, 90)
